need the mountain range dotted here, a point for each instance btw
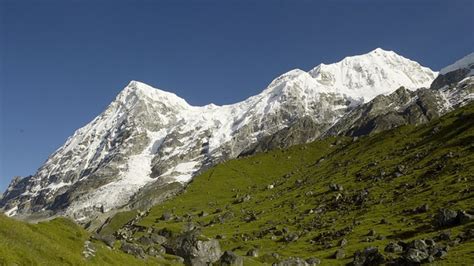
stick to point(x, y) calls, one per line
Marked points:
point(149, 143)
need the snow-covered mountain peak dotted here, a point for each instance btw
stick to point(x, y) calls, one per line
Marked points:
point(465, 62)
point(138, 90)
point(368, 75)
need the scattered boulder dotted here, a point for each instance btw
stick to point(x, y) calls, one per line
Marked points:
point(393, 248)
point(191, 245)
point(464, 217)
point(165, 232)
point(203, 214)
point(335, 187)
point(156, 251)
point(145, 241)
point(445, 235)
point(445, 217)
point(343, 242)
point(252, 252)
point(313, 261)
point(291, 237)
point(370, 256)
point(242, 199)
point(109, 240)
point(415, 256)
point(166, 216)
point(158, 239)
point(339, 254)
point(89, 250)
point(430, 242)
point(133, 249)
point(418, 244)
point(229, 258)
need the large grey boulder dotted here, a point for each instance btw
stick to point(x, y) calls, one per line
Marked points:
point(193, 248)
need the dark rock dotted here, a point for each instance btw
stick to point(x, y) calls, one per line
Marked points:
point(291, 237)
point(242, 199)
point(393, 248)
point(229, 258)
point(145, 241)
point(166, 216)
point(445, 217)
point(109, 240)
point(422, 209)
point(464, 217)
point(313, 261)
point(158, 239)
point(430, 242)
point(165, 232)
point(370, 256)
point(343, 242)
point(445, 235)
point(439, 252)
point(133, 249)
point(467, 235)
point(339, 254)
point(371, 232)
point(252, 253)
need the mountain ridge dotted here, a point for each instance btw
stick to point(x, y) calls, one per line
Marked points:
point(146, 135)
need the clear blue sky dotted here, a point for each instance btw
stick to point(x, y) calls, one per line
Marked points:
point(62, 62)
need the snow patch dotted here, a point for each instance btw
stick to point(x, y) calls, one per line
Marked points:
point(11, 212)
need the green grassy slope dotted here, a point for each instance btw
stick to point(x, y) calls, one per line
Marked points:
point(56, 242)
point(436, 165)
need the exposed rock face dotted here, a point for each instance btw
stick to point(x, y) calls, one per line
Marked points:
point(193, 249)
point(149, 140)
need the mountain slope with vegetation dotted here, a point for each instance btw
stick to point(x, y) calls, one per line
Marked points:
point(331, 198)
point(322, 201)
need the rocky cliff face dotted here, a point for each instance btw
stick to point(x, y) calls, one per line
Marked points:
point(149, 138)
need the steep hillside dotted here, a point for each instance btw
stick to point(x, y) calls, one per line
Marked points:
point(328, 199)
point(408, 192)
